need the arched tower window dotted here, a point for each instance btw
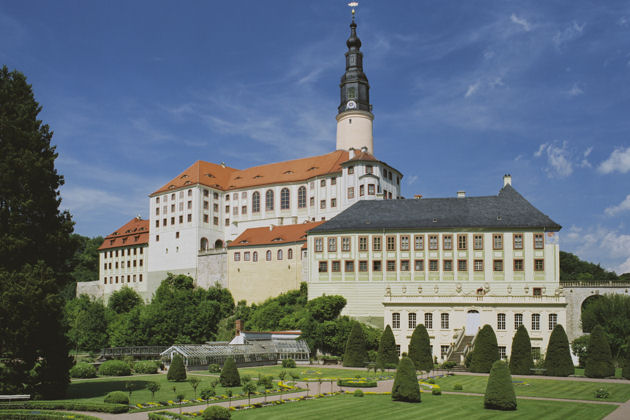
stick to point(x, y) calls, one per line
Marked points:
point(256, 202)
point(290, 254)
point(284, 199)
point(269, 200)
point(268, 256)
point(279, 254)
point(255, 256)
point(218, 244)
point(204, 244)
point(302, 197)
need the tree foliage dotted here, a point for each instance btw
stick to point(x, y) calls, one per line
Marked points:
point(500, 390)
point(558, 360)
point(579, 346)
point(326, 308)
point(356, 352)
point(87, 320)
point(124, 300)
point(406, 386)
point(599, 362)
point(420, 349)
point(229, 374)
point(625, 362)
point(521, 357)
point(387, 352)
point(486, 350)
point(84, 262)
point(573, 268)
point(612, 313)
point(177, 370)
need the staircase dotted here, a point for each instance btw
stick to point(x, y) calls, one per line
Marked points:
point(457, 355)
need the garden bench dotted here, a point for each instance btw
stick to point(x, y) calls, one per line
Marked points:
point(14, 397)
point(538, 371)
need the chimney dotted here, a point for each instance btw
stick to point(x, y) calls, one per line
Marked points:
point(351, 152)
point(364, 149)
point(223, 164)
point(417, 196)
point(507, 180)
point(238, 326)
point(461, 194)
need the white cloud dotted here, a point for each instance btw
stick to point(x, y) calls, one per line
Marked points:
point(585, 163)
point(575, 90)
point(621, 207)
point(521, 21)
point(623, 21)
point(571, 32)
point(558, 159)
point(472, 89)
point(610, 248)
point(411, 179)
point(619, 160)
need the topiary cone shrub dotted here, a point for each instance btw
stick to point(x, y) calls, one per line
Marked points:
point(625, 363)
point(486, 350)
point(406, 386)
point(229, 374)
point(558, 360)
point(387, 352)
point(355, 354)
point(521, 360)
point(420, 349)
point(500, 390)
point(177, 370)
point(599, 362)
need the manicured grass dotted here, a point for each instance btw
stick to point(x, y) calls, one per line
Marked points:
point(48, 414)
point(580, 372)
point(312, 372)
point(574, 390)
point(443, 407)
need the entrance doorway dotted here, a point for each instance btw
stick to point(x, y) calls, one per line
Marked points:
point(473, 319)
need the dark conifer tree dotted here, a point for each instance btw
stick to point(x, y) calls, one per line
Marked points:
point(521, 360)
point(599, 363)
point(356, 353)
point(406, 386)
point(486, 350)
point(558, 360)
point(177, 370)
point(420, 349)
point(500, 390)
point(229, 374)
point(387, 352)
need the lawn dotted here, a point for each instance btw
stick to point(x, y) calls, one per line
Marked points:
point(580, 372)
point(312, 372)
point(435, 407)
point(574, 390)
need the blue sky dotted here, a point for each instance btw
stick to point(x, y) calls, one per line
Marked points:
point(463, 92)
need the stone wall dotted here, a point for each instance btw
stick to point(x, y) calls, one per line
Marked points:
point(212, 268)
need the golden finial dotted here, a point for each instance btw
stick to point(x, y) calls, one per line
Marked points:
point(353, 4)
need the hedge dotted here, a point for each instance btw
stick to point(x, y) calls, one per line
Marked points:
point(41, 415)
point(599, 363)
point(66, 405)
point(420, 349)
point(406, 386)
point(177, 370)
point(387, 352)
point(558, 360)
point(625, 363)
point(485, 350)
point(500, 390)
point(83, 370)
point(521, 360)
point(288, 363)
point(117, 397)
point(145, 366)
point(114, 368)
point(357, 383)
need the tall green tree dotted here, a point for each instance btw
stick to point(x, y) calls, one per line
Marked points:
point(387, 352)
point(500, 390)
point(612, 313)
point(420, 349)
point(177, 370)
point(558, 360)
point(406, 386)
point(573, 268)
point(84, 262)
point(87, 320)
point(521, 360)
point(356, 353)
point(35, 245)
point(599, 362)
point(486, 350)
point(124, 300)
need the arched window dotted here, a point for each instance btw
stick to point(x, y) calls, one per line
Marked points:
point(256, 202)
point(290, 256)
point(218, 244)
point(204, 244)
point(268, 256)
point(279, 254)
point(284, 199)
point(302, 197)
point(255, 256)
point(269, 200)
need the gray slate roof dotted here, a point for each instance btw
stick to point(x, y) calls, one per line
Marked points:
point(507, 210)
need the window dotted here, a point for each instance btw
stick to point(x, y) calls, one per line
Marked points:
point(227, 222)
point(323, 266)
point(391, 265)
point(215, 196)
point(333, 181)
point(243, 209)
point(497, 241)
point(312, 201)
point(404, 265)
point(173, 220)
point(284, 199)
point(319, 244)
point(428, 321)
point(371, 189)
point(553, 321)
point(350, 170)
point(444, 324)
point(412, 320)
point(448, 265)
point(377, 266)
point(363, 243)
point(237, 256)
point(335, 266)
point(215, 207)
point(369, 169)
point(443, 351)
point(535, 322)
point(345, 244)
point(539, 241)
point(205, 219)
point(256, 202)
point(255, 256)
point(349, 268)
point(157, 223)
point(537, 292)
point(419, 265)
point(157, 200)
point(279, 256)
point(462, 265)
point(448, 241)
point(332, 244)
point(189, 218)
point(269, 200)
point(502, 353)
point(235, 211)
point(433, 265)
point(462, 242)
point(518, 241)
point(536, 353)
point(157, 238)
point(376, 243)
point(350, 192)
point(404, 243)
point(391, 243)
point(189, 205)
point(500, 321)
point(322, 183)
point(164, 222)
point(268, 255)
point(478, 241)
point(176, 235)
point(433, 242)
point(418, 241)
point(322, 204)
point(361, 190)
point(302, 197)
point(395, 320)
point(518, 265)
point(333, 202)
point(215, 221)
point(290, 254)
point(246, 256)
point(539, 265)
point(518, 320)
point(363, 266)
point(157, 211)
point(172, 208)
point(497, 265)
point(205, 193)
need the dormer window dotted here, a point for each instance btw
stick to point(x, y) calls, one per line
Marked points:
point(276, 240)
point(288, 172)
point(184, 176)
point(209, 175)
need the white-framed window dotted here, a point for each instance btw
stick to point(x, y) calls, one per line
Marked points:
point(279, 254)
point(285, 199)
point(428, 321)
point(412, 320)
point(345, 244)
point(444, 321)
point(302, 197)
point(539, 240)
point(404, 243)
point(319, 244)
point(535, 322)
point(255, 202)
point(268, 255)
point(478, 241)
point(443, 351)
point(518, 320)
point(332, 244)
point(255, 256)
point(553, 321)
point(500, 321)
point(290, 254)
point(237, 256)
point(395, 320)
point(246, 256)
point(518, 241)
point(269, 200)
point(502, 353)
point(418, 242)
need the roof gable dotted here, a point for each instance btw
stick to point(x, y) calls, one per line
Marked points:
point(134, 232)
point(274, 235)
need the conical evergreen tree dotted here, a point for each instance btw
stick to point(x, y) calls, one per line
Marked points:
point(420, 349)
point(500, 390)
point(486, 350)
point(387, 353)
point(625, 367)
point(229, 374)
point(356, 353)
point(599, 363)
point(177, 370)
point(558, 360)
point(521, 360)
point(406, 386)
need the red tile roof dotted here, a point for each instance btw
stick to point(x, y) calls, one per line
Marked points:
point(274, 235)
point(135, 232)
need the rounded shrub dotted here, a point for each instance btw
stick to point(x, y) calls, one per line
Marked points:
point(436, 390)
point(145, 366)
point(229, 374)
point(356, 353)
point(83, 370)
point(214, 368)
point(558, 360)
point(117, 397)
point(521, 360)
point(420, 349)
point(599, 363)
point(406, 386)
point(288, 363)
point(458, 387)
point(114, 368)
point(358, 393)
point(177, 370)
point(387, 353)
point(216, 413)
point(486, 350)
point(500, 390)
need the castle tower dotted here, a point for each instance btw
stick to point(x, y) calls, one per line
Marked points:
point(354, 120)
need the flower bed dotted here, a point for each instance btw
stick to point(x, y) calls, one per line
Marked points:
point(357, 383)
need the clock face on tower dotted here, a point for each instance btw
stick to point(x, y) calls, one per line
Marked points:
point(351, 105)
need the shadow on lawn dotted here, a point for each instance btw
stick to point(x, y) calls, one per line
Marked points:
point(90, 389)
